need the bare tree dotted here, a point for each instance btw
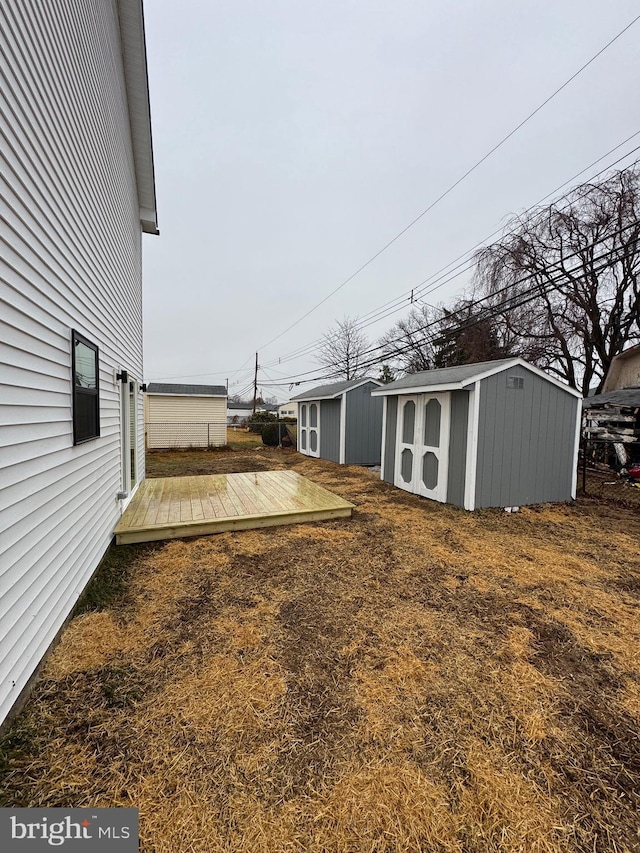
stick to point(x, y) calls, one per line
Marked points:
point(564, 280)
point(343, 349)
point(408, 345)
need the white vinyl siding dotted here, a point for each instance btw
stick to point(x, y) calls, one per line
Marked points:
point(70, 257)
point(177, 420)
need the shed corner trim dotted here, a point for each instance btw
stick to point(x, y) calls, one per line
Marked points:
point(343, 428)
point(473, 420)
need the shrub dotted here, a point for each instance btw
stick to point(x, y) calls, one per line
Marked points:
point(271, 434)
point(257, 421)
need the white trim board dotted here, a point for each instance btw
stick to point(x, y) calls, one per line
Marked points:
point(343, 429)
point(576, 451)
point(471, 467)
point(384, 437)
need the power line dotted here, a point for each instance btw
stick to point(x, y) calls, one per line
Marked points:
point(456, 183)
point(509, 303)
point(194, 375)
point(494, 310)
point(443, 277)
point(378, 314)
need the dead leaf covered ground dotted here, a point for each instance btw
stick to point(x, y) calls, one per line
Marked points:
point(415, 678)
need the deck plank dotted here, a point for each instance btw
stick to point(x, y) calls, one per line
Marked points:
point(174, 507)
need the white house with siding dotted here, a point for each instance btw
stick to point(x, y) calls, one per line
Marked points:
point(77, 190)
point(238, 412)
point(288, 410)
point(624, 370)
point(183, 416)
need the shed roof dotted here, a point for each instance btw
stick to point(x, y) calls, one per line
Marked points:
point(336, 389)
point(187, 390)
point(460, 377)
point(623, 397)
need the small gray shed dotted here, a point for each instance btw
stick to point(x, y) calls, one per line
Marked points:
point(341, 422)
point(495, 434)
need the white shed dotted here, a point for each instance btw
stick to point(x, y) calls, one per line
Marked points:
point(78, 190)
point(238, 412)
point(183, 416)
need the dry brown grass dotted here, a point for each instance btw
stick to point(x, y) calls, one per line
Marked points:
point(243, 439)
point(415, 678)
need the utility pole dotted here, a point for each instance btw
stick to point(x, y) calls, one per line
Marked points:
point(226, 382)
point(255, 385)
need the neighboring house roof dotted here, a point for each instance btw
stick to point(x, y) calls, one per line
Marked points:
point(134, 56)
point(627, 353)
point(260, 407)
point(187, 390)
point(460, 377)
point(336, 389)
point(623, 397)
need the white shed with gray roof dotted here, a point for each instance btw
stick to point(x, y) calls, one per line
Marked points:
point(341, 422)
point(179, 415)
point(494, 434)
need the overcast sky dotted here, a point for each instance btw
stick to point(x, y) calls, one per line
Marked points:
point(292, 140)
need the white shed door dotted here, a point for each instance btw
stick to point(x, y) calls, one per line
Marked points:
point(303, 427)
point(309, 429)
point(314, 429)
point(422, 451)
point(406, 441)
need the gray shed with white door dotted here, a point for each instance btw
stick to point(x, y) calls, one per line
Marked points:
point(494, 434)
point(341, 422)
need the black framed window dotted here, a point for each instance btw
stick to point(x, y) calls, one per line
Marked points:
point(86, 389)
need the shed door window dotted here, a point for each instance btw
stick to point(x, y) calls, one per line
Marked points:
point(86, 391)
point(432, 423)
point(408, 422)
point(313, 415)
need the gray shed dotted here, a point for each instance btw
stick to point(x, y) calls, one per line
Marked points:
point(341, 422)
point(495, 434)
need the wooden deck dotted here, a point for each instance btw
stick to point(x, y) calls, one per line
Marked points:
point(174, 507)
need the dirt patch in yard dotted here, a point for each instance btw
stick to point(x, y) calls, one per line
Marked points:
point(412, 679)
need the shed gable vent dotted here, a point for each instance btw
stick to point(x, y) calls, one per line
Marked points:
point(515, 382)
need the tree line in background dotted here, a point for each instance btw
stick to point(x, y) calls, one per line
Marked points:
point(560, 288)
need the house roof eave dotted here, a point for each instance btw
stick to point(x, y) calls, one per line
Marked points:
point(134, 58)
